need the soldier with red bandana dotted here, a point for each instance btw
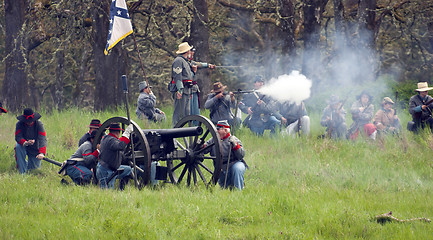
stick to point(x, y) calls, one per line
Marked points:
point(31, 141)
point(233, 154)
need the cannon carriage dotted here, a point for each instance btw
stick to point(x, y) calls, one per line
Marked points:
point(179, 152)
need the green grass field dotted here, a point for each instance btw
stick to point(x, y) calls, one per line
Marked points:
point(304, 188)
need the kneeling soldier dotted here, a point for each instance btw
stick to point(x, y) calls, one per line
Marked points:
point(233, 153)
point(79, 164)
point(112, 146)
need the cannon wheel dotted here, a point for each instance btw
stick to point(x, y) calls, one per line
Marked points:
point(196, 166)
point(141, 147)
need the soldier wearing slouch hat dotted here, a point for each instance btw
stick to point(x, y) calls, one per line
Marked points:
point(31, 141)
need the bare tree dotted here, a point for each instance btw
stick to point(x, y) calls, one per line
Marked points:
point(200, 39)
point(108, 69)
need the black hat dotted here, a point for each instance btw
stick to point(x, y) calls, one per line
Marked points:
point(115, 127)
point(2, 109)
point(29, 116)
point(259, 78)
point(95, 123)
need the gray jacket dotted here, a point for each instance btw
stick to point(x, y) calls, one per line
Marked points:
point(237, 154)
point(415, 104)
point(182, 74)
point(146, 106)
point(220, 107)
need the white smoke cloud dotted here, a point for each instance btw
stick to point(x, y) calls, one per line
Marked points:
point(294, 87)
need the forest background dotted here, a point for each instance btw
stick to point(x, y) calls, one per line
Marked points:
point(52, 50)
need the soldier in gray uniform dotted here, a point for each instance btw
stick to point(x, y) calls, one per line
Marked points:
point(220, 103)
point(261, 109)
point(182, 75)
point(195, 99)
point(146, 105)
point(420, 107)
point(182, 85)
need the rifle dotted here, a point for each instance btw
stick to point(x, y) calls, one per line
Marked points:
point(228, 66)
point(300, 111)
point(396, 101)
point(239, 91)
point(68, 163)
point(52, 161)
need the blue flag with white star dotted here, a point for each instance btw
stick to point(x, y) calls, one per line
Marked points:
point(120, 24)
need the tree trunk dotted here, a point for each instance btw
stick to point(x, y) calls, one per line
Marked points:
point(200, 39)
point(107, 92)
point(367, 37)
point(311, 37)
point(15, 87)
point(287, 14)
point(57, 87)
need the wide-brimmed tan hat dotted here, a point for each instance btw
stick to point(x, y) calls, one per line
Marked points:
point(218, 87)
point(387, 100)
point(423, 86)
point(183, 48)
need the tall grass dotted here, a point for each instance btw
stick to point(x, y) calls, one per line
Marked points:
point(303, 188)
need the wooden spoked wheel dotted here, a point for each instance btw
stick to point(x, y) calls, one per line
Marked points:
point(196, 165)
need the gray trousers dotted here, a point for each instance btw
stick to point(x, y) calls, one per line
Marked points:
point(182, 108)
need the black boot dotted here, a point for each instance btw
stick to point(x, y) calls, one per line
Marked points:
point(123, 182)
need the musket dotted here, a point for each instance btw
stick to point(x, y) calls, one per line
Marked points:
point(396, 101)
point(239, 91)
point(52, 161)
point(300, 112)
point(228, 66)
point(63, 166)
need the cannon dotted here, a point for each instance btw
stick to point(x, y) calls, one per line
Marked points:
point(179, 151)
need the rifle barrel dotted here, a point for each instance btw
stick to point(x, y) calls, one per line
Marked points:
point(228, 66)
point(243, 91)
point(52, 161)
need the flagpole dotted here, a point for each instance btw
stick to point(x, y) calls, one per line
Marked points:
point(141, 61)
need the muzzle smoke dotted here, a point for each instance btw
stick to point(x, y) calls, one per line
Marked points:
point(294, 87)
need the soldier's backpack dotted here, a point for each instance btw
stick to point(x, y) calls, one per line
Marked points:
point(172, 86)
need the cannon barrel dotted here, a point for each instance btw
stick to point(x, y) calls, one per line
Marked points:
point(176, 132)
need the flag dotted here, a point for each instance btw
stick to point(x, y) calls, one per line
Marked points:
point(120, 24)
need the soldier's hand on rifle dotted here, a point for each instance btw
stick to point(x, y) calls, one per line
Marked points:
point(259, 102)
point(211, 66)
point(232, 96)
point(424, 107)
point(220, 95)
point(250, 111)
point(361, 109)
point(283, 120)
point(40, 156)
point(233, 142)
point(128, 131)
